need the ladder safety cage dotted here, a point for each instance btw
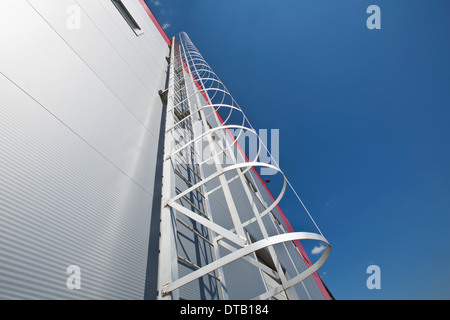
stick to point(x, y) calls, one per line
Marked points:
point(204, 166)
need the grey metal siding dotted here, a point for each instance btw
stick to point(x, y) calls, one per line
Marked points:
point(80, 120)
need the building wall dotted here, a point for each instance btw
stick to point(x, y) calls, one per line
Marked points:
point(80, 120)
point(81, 138)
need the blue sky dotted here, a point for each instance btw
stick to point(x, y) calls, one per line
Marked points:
point(364, 123)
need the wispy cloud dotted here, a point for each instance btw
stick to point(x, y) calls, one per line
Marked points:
point(318, 249)
point(165, 26)
point(156, 3)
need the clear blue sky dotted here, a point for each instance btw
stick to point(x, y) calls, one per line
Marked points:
point(364, 119)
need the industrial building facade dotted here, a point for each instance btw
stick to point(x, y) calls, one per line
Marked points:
point(123, 169)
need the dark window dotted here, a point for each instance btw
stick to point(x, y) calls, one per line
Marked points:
point(127, 16)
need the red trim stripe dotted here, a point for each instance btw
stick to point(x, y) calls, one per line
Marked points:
point(155, 22)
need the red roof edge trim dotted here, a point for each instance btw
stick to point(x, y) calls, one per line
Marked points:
point(155, 22)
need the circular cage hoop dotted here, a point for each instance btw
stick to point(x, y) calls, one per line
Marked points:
point(246, 250)
point(236, 167)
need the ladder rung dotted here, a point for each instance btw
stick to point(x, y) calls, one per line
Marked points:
point(191, 204)
point(187, 181)
point(195, 232)
point(196, 267)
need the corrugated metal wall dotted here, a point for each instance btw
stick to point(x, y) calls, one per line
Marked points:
point(79, 131)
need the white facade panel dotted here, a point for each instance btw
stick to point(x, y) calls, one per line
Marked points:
point(68, 84)
point(62, 203)
point(79, 136)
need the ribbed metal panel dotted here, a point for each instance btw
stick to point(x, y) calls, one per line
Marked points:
point(62, 203)
point(80, 122)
